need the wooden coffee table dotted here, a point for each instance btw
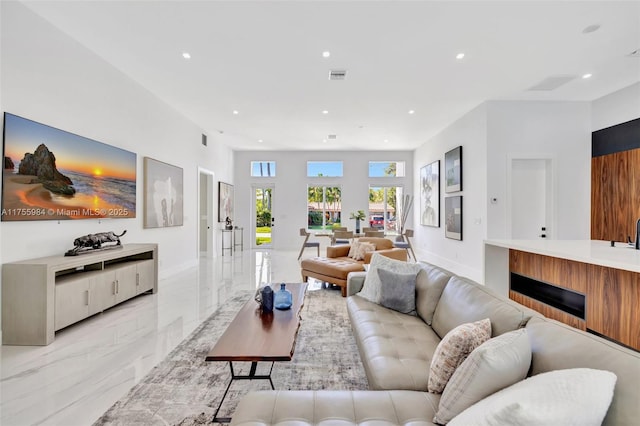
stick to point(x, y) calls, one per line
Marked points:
point(254, 337)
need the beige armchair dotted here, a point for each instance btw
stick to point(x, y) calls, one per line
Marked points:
point(379, 234)
point(406, 244)
point(306, 243)
point(342, 237)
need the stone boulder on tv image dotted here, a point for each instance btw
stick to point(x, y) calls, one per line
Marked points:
point(42, 164)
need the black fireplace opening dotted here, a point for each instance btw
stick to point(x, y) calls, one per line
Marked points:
point(567, 301)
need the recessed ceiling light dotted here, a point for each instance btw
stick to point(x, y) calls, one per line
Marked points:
point(591, 29)
point(386, 140)
point(460, 55)
point(325, 112)
point(326, 54)
point(236, 112)
point(260, 140)
point(324, 141)
point(186, 55)
point(411, 111)
point(587, 76)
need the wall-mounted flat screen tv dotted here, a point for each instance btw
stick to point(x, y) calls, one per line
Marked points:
point(50, 174)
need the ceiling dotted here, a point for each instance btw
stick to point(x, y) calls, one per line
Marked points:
point(264, 60)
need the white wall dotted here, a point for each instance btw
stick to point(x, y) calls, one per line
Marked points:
point(557, 130)
point(50, 78)
point(615, 108)
point(491, 135)
point(290, 194)
point(462, 257)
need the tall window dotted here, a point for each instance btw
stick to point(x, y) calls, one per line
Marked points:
point(384, 202)
point(324, 168)
point(386, 168)
point(324, 205)
point(263, 168)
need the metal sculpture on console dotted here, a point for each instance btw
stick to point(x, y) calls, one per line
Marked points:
point(93, 242)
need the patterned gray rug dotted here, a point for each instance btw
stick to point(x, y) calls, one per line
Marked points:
point(185, 390)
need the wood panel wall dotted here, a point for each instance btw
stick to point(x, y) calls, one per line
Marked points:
point(615, 195)
point(552, 270)
point(612, 295)
point(613, 301)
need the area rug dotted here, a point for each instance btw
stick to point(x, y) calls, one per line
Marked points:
point(185, 390)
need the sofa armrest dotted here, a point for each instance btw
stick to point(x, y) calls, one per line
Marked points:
point(341, 250)
point(394, 253)
point(355, 281)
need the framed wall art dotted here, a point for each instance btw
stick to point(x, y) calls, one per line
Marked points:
point(52, 174)
point(163, 194)
point(430, 194)
point(453, 170)
point(225, 201)
point(453, 217)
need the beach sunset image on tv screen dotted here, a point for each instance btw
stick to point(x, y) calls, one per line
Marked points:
point(50, 174)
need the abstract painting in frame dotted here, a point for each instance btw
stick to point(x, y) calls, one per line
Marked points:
point(453, 217)
point(163, 194)
point(430, 194)
point(225, 201)
point(453, 170)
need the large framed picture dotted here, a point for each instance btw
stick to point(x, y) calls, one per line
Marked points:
point(52, 174)
point(453, 170)
point(430, 194)
point(225, 201)
point(163, 194)
point(453, 217)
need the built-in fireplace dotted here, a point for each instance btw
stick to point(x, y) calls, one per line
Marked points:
point(567, 301)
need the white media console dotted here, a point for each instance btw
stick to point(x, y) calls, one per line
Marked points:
point(41, 296)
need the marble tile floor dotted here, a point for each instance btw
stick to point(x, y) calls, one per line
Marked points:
point(92, 364)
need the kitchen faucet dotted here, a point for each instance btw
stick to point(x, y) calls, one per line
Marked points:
point(637, 242)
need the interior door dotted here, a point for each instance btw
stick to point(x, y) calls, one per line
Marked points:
point(531, 200)
point(205, 211)
point(264, 222)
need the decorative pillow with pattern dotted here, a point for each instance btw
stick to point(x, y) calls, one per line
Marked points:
point(453, 349)
point(364, 248)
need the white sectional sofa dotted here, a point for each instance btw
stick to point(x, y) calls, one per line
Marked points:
point(396, 350)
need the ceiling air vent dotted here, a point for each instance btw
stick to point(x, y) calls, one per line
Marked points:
point(552, 83)
point(337, 74)
point(634, 54)
point(204, 139)
point(332, 137)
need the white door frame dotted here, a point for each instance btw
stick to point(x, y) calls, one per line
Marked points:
point(252, 228)
point(551, 202)
point(208, 217)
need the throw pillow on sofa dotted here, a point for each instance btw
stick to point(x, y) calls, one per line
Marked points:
point(494, 365)
point(399, 291)
point(353, 249)
point(577, 396)
point(453, 349)
point(372, 284)
point(364, 248)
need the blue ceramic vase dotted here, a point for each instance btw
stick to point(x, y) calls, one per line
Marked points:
point(267, 299)
point(283, 298)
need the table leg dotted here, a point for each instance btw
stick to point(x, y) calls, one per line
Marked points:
point(217, 419)
point(252, 375)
